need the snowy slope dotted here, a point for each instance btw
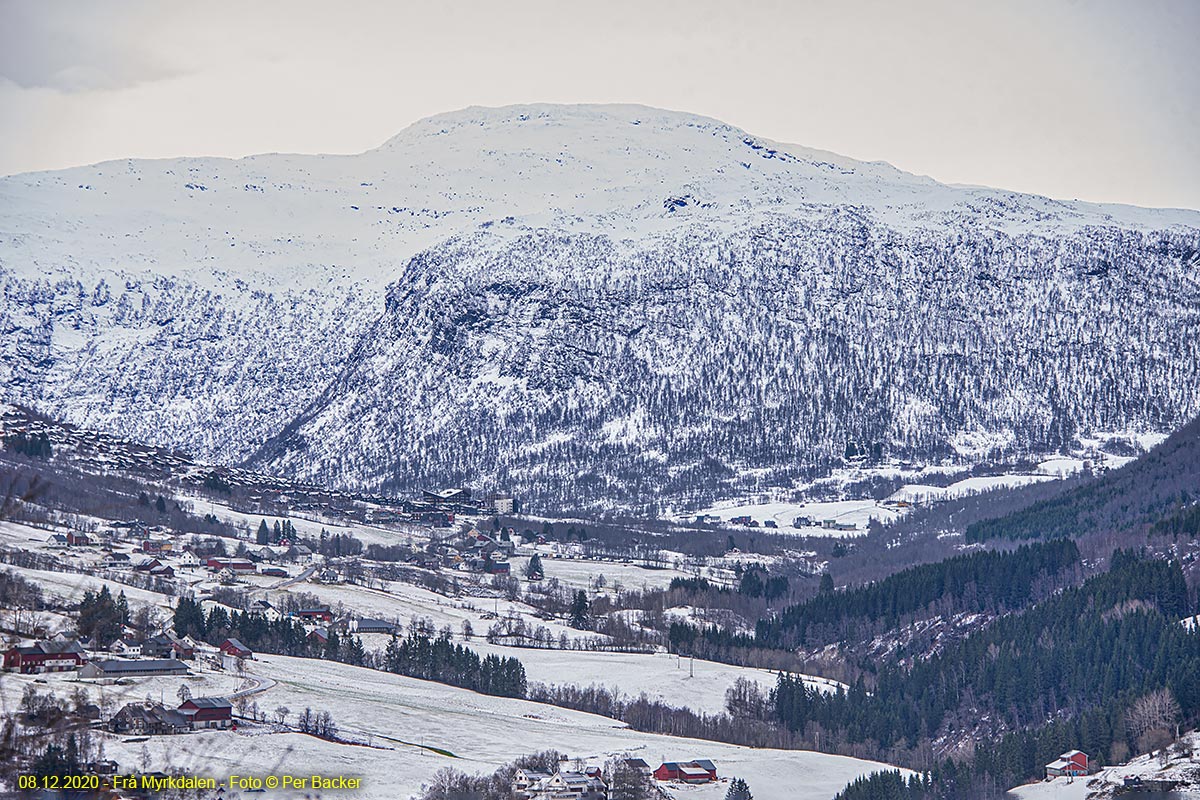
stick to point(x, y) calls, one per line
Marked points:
point(618, 265)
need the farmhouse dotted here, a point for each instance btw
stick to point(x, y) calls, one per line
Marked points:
point(315, 614)
point(700, 771)
point(45, 657)
point(147, 718)
point(164, 645)
point(127, 646)
point(1072, 762)
point(525, 782)
point(129, 669)
point(207, 712)
point(373, 626)
point(530, 785)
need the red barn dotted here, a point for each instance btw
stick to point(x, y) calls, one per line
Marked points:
point(216, 563)
point(701, 771)
point(207, 712)
point(45, 657)
point(236, 649)
point(318, 614)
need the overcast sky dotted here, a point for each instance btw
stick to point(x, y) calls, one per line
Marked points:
point(1090, 100)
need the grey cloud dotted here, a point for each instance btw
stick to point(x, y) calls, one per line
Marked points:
point(78, 47)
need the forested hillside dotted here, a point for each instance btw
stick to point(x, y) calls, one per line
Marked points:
point(1159, 488)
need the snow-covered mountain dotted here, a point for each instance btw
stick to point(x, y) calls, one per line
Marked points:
point(587, 304)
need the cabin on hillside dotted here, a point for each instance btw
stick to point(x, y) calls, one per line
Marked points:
point(1072, 762)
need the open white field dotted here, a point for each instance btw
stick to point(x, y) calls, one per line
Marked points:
point(579, 573)
point(71, 586)
point(482, 732)
point(924, 494)
point(311, 527)
point(202, 682)
point(404, 601)
point(699, 685)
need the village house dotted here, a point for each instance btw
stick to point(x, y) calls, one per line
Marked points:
point(207, 712)
point(48, 656)
point(56, 540)
point(189, 559)
point(165, 645)
point(525, 781)
point(75, 539)
point(264, 607)
point(127, 646)
point(318, 637)
point(530, 785)
point(129, 669)
point(157, 545)
point(147, 719)
point(1072, 762)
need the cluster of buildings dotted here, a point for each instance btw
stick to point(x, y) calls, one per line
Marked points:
point(152, 719)
point(160, 654)
point(440, 508)
point(590, 785)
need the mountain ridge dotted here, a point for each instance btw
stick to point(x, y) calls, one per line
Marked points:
point(224, 306)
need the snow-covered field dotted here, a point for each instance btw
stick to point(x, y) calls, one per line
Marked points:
point(203, 682)
point(582, 573)
point(403, 601)
point(367, 534)
point(71, 586)
point(923, 494)
point(481, 732)
point(698, 685)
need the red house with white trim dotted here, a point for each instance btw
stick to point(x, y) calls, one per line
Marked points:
point(1072, 762)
